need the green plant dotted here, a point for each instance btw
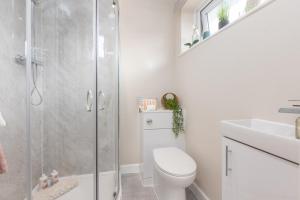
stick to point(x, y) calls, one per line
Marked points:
point(191, 44)
point(195, 37)
point(223, 13)
point(251, 4)
point(178, 123)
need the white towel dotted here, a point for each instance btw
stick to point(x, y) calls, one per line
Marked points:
point(3, 162)
point(59, 189)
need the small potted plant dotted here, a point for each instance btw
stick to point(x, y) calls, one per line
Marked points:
point(223, 16)
point(195, 37)
point(170, 102)
point(205, 34)
point(251, 4)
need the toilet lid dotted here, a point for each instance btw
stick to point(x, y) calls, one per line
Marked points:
point(174, 161)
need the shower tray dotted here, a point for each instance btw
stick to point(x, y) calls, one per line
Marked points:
point(85, 188)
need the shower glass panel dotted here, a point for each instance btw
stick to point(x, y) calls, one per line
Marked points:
point(72, 71)
point(62, 97)
point(108, 105)
point(12, 100)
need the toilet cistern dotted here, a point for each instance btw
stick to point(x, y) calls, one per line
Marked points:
point(295, 109)
point(2, 121)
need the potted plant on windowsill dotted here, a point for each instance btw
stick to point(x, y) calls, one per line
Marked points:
point(195, 37)
point(251, 4)
point(223, 16)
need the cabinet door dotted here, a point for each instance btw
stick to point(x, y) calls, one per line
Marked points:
point(227, 182)
point(256, 175)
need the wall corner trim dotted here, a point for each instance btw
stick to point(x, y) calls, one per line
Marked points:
point(198, 192)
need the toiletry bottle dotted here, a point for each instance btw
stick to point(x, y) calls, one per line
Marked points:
point(43, 184)
point(54, 177)
point(49, 182)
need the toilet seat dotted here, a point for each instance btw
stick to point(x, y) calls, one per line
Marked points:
point(174, 162)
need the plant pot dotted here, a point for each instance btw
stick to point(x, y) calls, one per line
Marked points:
point(205, 35)
point(251, 4)
point(223, 23)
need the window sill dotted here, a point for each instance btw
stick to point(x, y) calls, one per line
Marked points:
point(228, 26)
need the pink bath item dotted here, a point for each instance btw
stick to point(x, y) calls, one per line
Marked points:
point(3, 162)
point(43, 182)
point(54, 177)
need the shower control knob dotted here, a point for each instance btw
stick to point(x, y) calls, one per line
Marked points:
point(149, 121)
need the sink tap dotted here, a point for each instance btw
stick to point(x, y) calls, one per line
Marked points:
point(295, 109)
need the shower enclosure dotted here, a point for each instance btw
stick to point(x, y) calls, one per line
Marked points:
point(59, 95)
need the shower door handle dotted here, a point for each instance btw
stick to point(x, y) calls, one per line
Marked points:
point(101, 100)
point(89, 101)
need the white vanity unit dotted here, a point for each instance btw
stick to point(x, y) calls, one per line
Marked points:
point(156, 132)
point(260, 161)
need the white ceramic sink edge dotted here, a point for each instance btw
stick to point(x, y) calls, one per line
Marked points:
point(272, 137)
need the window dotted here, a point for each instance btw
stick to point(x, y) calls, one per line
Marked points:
point(209, 15)
point(199, 23)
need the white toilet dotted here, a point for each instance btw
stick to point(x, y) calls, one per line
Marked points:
point(174, 171)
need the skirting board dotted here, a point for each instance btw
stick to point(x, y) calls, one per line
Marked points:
point(130, 169)
point(199, 194)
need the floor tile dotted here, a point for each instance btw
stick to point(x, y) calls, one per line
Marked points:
point(132, 189)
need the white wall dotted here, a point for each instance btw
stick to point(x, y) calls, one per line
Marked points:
point(248, 70)
point(147, 63)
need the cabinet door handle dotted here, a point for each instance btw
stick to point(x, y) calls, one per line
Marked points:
point(227, 169)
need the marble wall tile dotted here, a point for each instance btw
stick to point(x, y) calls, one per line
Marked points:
point(12, 103)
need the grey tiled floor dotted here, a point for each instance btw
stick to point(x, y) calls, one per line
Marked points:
point(132, 189)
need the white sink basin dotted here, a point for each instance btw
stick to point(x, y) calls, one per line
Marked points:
point(272, 137)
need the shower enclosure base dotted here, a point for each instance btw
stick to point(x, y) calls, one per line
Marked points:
point(85, 188)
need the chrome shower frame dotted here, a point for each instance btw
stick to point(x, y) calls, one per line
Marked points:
point(28, 97)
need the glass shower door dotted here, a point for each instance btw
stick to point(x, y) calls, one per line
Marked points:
point(72, 99)
point(108, 99)
point(61, 72)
